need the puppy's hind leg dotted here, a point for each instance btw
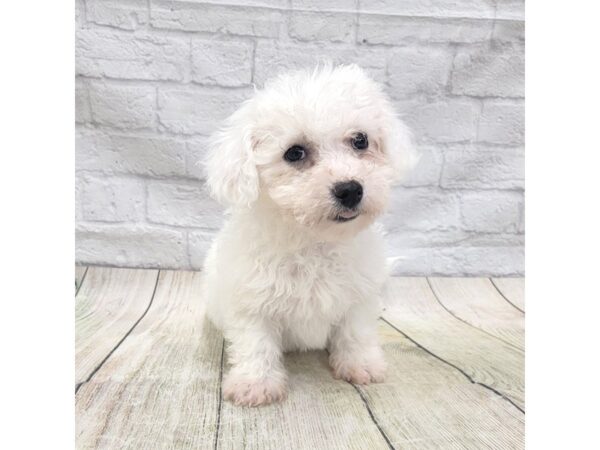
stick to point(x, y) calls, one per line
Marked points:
point(354, 351)
point(257, 376)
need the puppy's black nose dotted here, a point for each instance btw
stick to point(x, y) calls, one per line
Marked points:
point(348, 193)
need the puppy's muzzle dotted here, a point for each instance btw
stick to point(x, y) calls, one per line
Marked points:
point(348, 193)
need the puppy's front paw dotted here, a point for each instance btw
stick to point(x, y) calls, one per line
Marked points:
point(243, 391)
point(372, 372)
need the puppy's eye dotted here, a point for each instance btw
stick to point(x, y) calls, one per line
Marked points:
point(295, 153)
point(360, 141)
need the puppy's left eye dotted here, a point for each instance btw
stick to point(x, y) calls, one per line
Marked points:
point(360, 141)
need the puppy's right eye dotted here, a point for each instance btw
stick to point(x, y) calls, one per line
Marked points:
point(295, 153)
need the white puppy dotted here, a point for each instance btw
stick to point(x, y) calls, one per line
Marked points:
point(306, 166)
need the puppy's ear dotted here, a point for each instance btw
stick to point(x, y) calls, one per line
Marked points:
point(399, 145)
point(230, 168)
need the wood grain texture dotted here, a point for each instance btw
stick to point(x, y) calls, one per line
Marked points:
point(160, 388)
point(79, 274)
point(413, 308)
point(109, 302)
point(319, 413)
point(426, 404)
point(513, 290)
point(478, 302)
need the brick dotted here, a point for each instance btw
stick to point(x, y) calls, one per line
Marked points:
point(83, 113)
point(80, 13)
point(196, 153)
point(422, 209)
point(113, 199)
point(521, 228)
point(125, 14)
point(502, 122)
point(489, 71)
point(449, 120)
point(494, 239)
point(183, 204)
point(322, 26)
point(428, 169)
point(460, 261)
point(485, 261)
point(199, 243)
point(510, 9)
point(509, 31)
point(79, 186)
point(416, 239)
point(424, 261)
point(491, 212)
point(227, 19)
point(434, 8)
point(277, 4)
point(395, 30)
point(111, 54)
point(330, 5)
point(224, 63)
point(275, 58)
point(449, 238)
point(137, 245)
point(197, 110)
point(123, 106)
point(123, 154)
point(418, 69)
point(477, 168)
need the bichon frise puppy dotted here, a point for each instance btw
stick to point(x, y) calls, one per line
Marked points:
point(306, 167)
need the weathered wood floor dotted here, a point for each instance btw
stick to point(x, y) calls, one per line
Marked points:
point(149, 370)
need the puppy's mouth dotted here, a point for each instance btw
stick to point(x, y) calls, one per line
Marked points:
point(346, 216)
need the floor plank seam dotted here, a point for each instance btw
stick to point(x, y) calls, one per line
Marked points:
point(504, 296)
point(220, 398)
point(467, 323)
point(360, 393)
point(122, 339)
point(82, 280)
point(467, 376)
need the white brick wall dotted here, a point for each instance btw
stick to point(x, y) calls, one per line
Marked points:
point(154, 77)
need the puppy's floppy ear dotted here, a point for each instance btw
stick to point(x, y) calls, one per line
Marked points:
point(230, 168)
point(399, 145)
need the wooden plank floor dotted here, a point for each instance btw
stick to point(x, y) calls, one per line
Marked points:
point(149, 368)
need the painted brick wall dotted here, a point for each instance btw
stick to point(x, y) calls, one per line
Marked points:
point(154, 78)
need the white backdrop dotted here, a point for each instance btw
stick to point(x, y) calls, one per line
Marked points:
point(155, 77)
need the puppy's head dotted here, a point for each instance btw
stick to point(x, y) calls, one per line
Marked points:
point(321, 147)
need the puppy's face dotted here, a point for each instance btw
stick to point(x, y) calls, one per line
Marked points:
point(322, 147)
point(327, 172)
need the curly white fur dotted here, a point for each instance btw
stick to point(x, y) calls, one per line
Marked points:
point(283, 274)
